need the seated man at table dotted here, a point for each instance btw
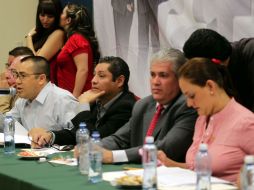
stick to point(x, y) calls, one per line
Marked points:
point(173, 130)
point(7, 101)
point(41, 103)
point(110, 101)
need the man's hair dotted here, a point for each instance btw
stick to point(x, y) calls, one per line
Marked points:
point(21, 50)
point(173, 56)
point(207, 43)
point(40, 65)
point(117, 67)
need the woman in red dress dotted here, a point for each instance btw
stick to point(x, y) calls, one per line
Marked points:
point(76, 60)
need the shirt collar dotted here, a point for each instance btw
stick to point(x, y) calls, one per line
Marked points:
point(109, 103)
point(165, 106)
point(41, 97)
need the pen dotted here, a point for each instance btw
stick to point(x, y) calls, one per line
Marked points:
point(131, 168)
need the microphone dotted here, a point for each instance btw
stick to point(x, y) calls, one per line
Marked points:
point(7, 91)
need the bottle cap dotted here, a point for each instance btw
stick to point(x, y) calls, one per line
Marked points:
point(96, 134)
point(149, 139)
point(82, 125)
point(249, 159)
point(203, 147)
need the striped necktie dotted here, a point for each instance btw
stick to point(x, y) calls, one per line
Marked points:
point(154, 120)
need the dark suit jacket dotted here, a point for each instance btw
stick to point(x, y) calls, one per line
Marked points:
point(241, 69)
point(114, 118)
point(173, 133)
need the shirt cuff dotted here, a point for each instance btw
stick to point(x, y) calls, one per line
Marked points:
point(84, 107)
point(52, 140)
point(119, 156)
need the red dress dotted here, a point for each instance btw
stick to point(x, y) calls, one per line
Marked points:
point(66, 68)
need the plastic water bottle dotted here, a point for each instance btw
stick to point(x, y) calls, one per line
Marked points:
point(203, 168)
point(247, 174)
point(82, 138)
point(9, 130)
point(95, 159)
point(149, 160)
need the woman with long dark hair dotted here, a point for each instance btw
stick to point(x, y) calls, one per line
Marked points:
point(47, 38)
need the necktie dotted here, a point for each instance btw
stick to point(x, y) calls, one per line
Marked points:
point(154, 120)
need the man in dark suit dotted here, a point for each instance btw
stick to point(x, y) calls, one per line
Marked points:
point(174, 129)
point(110, 104)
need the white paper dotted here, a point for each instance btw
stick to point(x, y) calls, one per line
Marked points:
point(166, 177)
point(65, 161)
point(20, 130)
point(20, 135)
point(17, 139)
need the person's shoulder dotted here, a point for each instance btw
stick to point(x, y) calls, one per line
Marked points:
point(57, 33)
point(128, 96)
point(145, 103)
point(243, 44)
point(60, 92)
point(77, 39)
point(77, 36)
point(240, 109)
point(179, 106)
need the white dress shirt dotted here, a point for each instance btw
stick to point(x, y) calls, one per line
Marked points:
point(52, 109)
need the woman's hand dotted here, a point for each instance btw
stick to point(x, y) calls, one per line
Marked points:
point(162, 157)
point(31, 32)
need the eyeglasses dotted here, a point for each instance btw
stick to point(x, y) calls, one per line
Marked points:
point(22, 75)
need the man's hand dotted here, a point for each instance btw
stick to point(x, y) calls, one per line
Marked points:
point(107, 156)
point(90, 96)
point(40, 137)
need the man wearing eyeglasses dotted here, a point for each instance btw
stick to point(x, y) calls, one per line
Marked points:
point(41, 103)
point(7, 81)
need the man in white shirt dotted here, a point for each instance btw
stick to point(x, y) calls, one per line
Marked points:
point(41, 103)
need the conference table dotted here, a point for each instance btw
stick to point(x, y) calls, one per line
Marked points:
point(19, 174)
point(26, 174)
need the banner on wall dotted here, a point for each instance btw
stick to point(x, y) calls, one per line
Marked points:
point(134, 29)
